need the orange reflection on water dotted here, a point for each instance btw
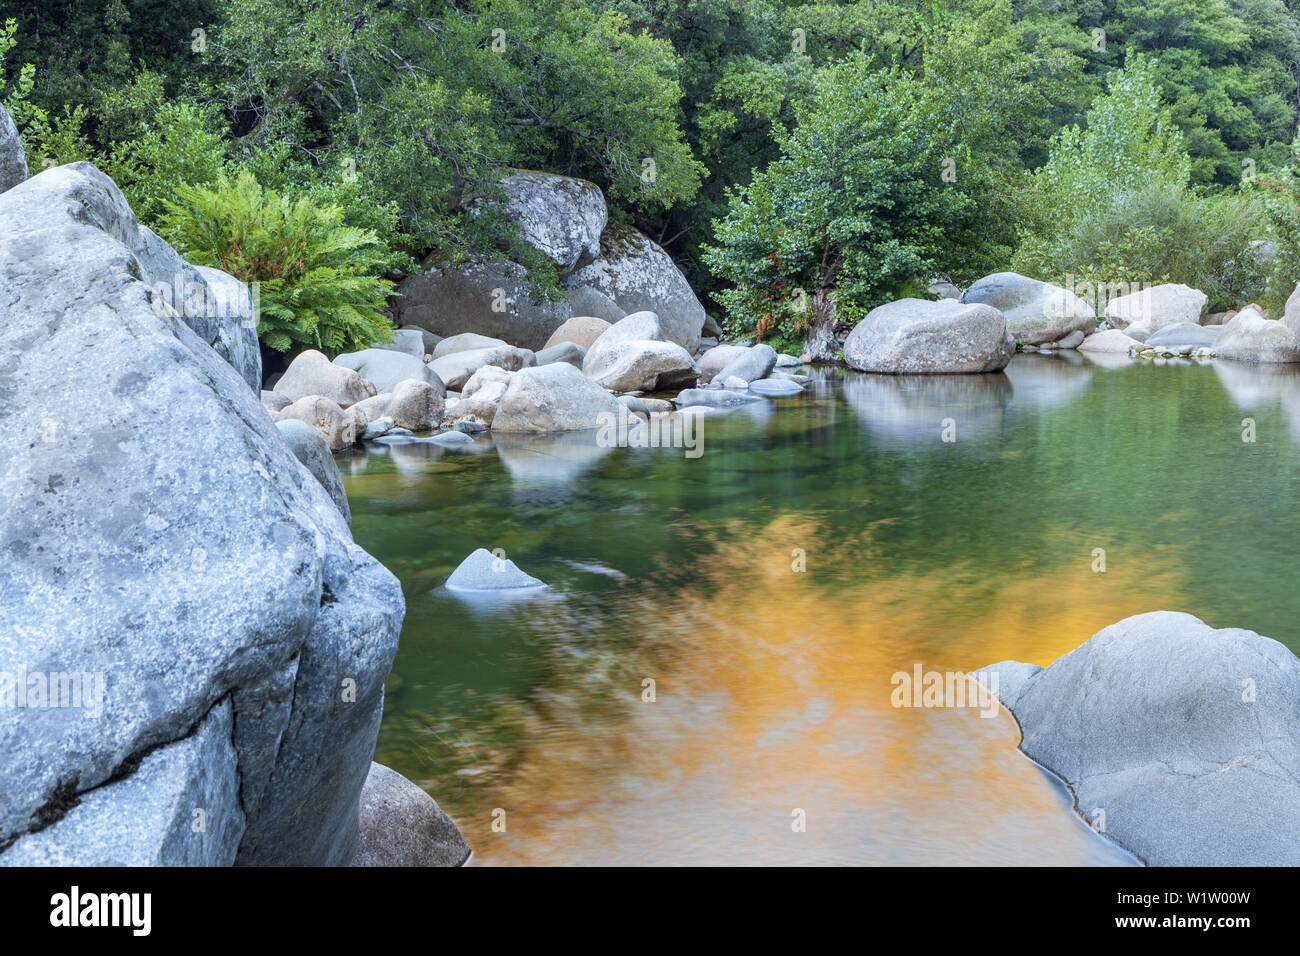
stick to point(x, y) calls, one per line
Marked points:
point(774, 696)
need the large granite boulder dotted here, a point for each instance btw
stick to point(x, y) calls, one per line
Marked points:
point(13, 160)
point(920, 337)
point(559, 216)
point(310, 448)
point(1154, 308)
point(716, 359)
point(754, 363)
point(639, 276)
point(1249, 337)
point(384, 368)
point(1183, 736)
point(456, 368)
point(1036, 311)
point(214, 304)
point(464, 342)
point(631, 355)
point(401, 825)
point(493, 299)
point(1183, 335)
point(311, 373)
point(553, 398)
point(1291, 313)
point(159, 539)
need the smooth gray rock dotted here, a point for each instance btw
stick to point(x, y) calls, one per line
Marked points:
point(1249, 337)
point(1109, 340)
point(919, 337)
point(632, 355)
point(1156, 307)
point(406, 341)
point(713, 397)
point(184, 803)
point(312, 450)
point(1184, 333)
point(415, 405)
point(156, 528)
point(311, 373)
point(401, 825)
point(552, 398)
point(1036, 312)
point(452, 439)
point(1071, 341)
point(383, 369)
point(569, 352)
point(464, 342)
point(1291, 312)
point(493, 299)
point(13, 160)
point(775, 387)
point(1007, 680)
point(377, 428)
point(484, 571)
point(751, 365)
point(717, 358)
point(430, 340)
point(640, 276)
point(456, 368)
point(1185, 736)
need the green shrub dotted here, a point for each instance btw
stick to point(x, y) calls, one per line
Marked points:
point(1112, 205)
point(315, 275)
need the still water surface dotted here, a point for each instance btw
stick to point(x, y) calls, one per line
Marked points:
point(772, 685)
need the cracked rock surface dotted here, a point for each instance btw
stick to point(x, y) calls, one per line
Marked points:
point(157, 531)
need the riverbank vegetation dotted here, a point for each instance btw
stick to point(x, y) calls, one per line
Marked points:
point(801, 162)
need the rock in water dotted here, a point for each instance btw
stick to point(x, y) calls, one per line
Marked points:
point(1249, 337)
point(1036, 311)
point(1185, 736)
point(484, 571)
point(552, 398)
point(919, 337)
point(401, 825)
point(157, 531)
point(1154, 308)
point(1108, 340)
point(313, 451)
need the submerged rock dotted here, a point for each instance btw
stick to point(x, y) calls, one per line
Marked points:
point(775, 387)
point(484, 571)
point(1182, 735)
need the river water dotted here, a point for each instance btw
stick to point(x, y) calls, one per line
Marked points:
point(772, 587)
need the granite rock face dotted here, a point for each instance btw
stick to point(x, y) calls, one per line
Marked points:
point(919, 337)
point(1183, 736)
point(160, 541)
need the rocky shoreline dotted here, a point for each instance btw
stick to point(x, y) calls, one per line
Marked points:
point(185, 546)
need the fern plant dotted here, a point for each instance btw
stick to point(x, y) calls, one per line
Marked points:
point(317, 278)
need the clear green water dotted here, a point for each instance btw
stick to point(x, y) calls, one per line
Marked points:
point(772, 685)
